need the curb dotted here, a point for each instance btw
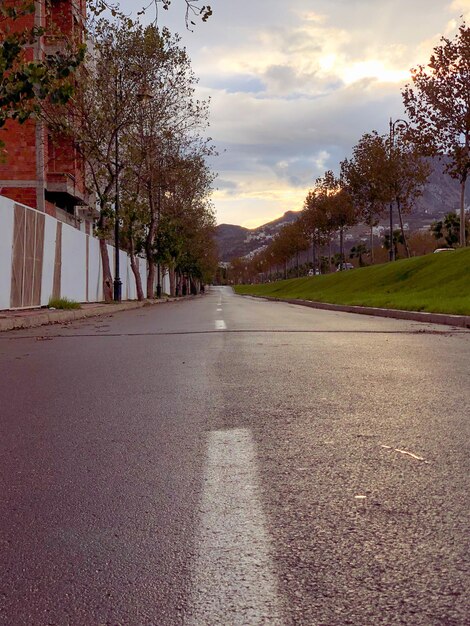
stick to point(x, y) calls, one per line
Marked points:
point(462, 321)
point(45, 317)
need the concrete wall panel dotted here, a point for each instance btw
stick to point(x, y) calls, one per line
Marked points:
point(95, 277)
point(50, 233)
point(6, 241)
point(74, 281)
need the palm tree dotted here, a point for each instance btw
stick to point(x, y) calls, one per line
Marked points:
point(357, 252)
point(448, 229)
point(397, 238)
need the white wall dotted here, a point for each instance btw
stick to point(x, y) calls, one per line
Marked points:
point(6, 242)
point(47, 283)
point(95, 276)
point(166, 283)
point(73, 278)
point(74, 268)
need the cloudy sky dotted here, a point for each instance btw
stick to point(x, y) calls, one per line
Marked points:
point(295, 83)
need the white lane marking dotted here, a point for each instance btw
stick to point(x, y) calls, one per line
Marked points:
point(233, 578)
point(220, 325)
point(219, 308)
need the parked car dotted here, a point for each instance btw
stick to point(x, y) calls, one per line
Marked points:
point(444, 250)
point(344, 266)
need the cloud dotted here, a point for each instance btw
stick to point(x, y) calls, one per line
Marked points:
point(293, 86)
point(463, 6)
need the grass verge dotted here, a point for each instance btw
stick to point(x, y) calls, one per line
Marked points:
point(436, 283)
point(63, 303)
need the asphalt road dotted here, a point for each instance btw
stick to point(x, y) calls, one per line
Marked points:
point(200, 462)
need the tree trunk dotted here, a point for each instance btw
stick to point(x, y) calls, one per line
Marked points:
point(341, 248)
point(149, 254)
point(400, 217)
point(372, 244)
point(137, 276)
point(107, 277)
point(172, 275)
point(329, 254)
point(463, 241)
point(149, 241)
point(135, 268)
point(150, 279)
point(298, 264)
point(313, 257)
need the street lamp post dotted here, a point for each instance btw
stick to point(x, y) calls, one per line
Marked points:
point(117, 277)
point(162, 184)
point(142, 96)
point(392, 125)
point(159, 211)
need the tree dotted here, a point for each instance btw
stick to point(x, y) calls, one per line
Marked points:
point(335, 204)
point(281, 251)
point(137, 91)
point(438, 104)
point(295, 240)
point(343, 215)
point(407, 173)
point(25, 80)
point(358, 252)
point(364, 177)
point(318, 207)
point(384, 170)
point(315, 224)
point(448, 229)
point(397, 239)
point(188, 220)
point(102, 109)
point(193, 9)
point(164, 149)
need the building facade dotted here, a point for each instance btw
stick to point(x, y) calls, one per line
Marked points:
point(40, 171)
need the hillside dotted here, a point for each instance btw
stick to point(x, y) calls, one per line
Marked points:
point(437, 283)
point(440, 196)
point(236, 241)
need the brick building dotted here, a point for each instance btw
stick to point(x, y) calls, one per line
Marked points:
point(40, 172)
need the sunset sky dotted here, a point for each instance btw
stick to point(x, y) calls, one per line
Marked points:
point(295, 83)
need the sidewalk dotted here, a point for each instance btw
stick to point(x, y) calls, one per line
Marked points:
point(31, 318)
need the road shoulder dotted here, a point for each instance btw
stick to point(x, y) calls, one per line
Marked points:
point(17, 320)
point(461, 321)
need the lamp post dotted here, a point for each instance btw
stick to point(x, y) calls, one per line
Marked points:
point(143, 95)
point(159, 211)
point(117, 278)
point(392, 125)
point(162, 184)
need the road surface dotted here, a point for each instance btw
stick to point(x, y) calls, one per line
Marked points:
point(234, 461)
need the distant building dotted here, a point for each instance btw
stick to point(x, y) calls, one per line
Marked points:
point(46, 174)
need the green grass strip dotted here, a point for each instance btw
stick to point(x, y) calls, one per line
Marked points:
point(63, 303)
point(436, 283)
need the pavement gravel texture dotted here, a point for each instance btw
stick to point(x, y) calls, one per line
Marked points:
point(117, 434)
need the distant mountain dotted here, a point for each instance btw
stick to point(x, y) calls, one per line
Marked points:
point(236, 241)
point(441, 195)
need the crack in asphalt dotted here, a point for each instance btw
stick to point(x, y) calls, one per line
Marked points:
point(444, 333)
